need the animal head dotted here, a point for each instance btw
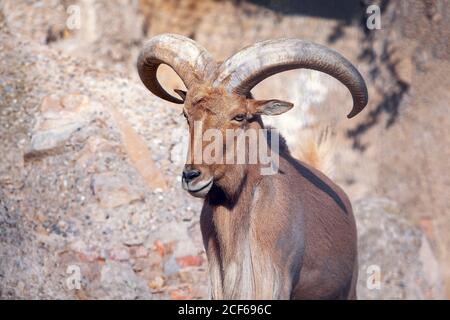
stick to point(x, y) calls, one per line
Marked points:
point(218, 96)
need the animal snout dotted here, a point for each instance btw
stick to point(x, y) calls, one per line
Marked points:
point(195, 182)
point(190, 174)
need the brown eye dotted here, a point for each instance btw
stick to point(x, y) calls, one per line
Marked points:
point(239, 117)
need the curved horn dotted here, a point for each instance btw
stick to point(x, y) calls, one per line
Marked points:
point(244, 70)
point(188, 59)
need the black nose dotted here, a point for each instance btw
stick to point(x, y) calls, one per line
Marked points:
point(189, 175)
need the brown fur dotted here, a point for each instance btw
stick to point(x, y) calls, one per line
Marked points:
point(315, 147)
point(291, 235)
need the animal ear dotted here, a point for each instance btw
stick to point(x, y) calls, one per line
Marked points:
point(269, 107)
point(181, 93)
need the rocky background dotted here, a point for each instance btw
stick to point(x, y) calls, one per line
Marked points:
point(90, 160)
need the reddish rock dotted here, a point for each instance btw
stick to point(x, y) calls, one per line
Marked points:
point(158, 246)
point(426, 224)
point(190, 261)
point(154, 259)
point(179, 295)
point(87, 256)
point(51, 103)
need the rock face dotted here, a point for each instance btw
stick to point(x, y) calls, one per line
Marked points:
point(395, 254)
point(114, 190)
point(58, 120)
point(118, 281)
point(80, 192)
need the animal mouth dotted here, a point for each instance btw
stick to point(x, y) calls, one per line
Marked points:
point(202, 187)
point(202, 190)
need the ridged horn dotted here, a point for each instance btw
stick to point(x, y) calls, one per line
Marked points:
point(188, 59)
point(245, 69)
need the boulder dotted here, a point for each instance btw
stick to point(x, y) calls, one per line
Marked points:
point(395, 258)
point(118, 281)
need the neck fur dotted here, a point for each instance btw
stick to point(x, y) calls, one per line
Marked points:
point(233, 223)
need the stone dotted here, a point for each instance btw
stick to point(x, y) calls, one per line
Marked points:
point(51, 103)
point(399, 250)
point(138, 152)
point(404, 70)
point(118, 281)
point(46, 140)
point(119, 253)
point(180, 295)
point(95, 146)
point(177, 233)
point(189, 261)
point(84, 252)
point(57, 122)
point(114, 189)
point(156, 283)
point(75, 102)
point(138, 251)
point(170, 266)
